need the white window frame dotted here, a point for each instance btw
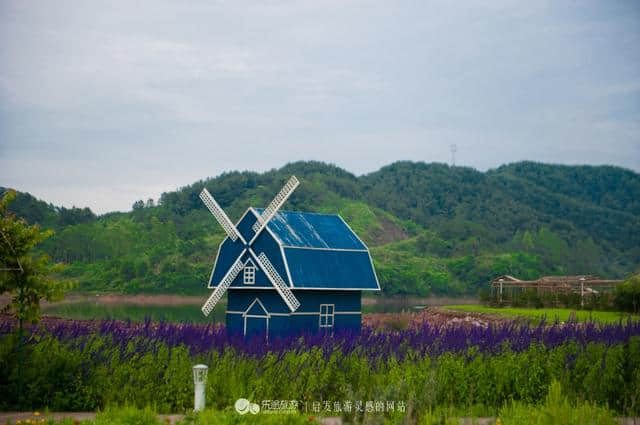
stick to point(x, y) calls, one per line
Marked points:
point(327, 315)
point(249, 274)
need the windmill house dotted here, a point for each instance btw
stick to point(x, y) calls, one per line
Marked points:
point(288, 272)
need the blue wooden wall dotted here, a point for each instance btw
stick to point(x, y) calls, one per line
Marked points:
point(279, 320)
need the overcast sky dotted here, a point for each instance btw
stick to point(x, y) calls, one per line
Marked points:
point(102, 104)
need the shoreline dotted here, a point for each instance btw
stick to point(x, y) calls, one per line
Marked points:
point(177, 300)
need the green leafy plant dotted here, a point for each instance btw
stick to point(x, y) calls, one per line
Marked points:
point(24, 275)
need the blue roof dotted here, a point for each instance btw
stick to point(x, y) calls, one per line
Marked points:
point(312, 268)
point(310, 230)
point(308, 250)
point(322, 252)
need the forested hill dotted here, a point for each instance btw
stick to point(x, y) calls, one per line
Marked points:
point(432, 228)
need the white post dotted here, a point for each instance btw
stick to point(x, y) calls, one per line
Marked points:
point(582, 292)
point(501, 280)
point(199, 381)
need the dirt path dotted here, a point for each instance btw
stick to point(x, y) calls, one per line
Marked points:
point(13, 417)
point(36, 417)
point(435, 316)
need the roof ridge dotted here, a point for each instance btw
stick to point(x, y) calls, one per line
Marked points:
point(300, 212)
point(365, 249)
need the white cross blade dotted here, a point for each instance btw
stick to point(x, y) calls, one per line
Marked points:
point(222, 286)
point(275, 205)
point(282, 288)
point(219, 214)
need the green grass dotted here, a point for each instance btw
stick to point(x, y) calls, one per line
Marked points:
point(554, 409)
point(562, 314)
point(147, 416)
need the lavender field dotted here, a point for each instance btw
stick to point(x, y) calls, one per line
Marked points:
point(424, 339)
point(87, 365)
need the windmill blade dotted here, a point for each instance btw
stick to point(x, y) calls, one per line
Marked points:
point(282, 288)
point(219, 214)
point(222, 286)
point(275, 205)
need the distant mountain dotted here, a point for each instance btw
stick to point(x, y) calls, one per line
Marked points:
point(432, 228)
point(47, 215)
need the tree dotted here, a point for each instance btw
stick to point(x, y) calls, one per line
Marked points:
point(25, 275)
point(627, 295)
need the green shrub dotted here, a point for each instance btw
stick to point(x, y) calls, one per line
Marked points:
point(556, 410)
point(93, 375)
point(627, 295)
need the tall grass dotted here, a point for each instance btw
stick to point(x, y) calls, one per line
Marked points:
point(555, 408)
point(548, 314)
point(94, 374)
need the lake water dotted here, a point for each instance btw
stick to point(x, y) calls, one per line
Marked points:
point(134, 312)
point(187, 309)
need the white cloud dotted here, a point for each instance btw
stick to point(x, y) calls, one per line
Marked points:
point(158, 94)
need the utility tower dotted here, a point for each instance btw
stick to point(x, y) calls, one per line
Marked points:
point(454, 149)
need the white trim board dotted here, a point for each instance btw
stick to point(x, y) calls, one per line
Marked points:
point(298, 288)
point(286, 266)
point(215, 263)
point(252, 286)
point(374, 272)
point(369, 252)
point(257, 300)
point(295, 313)
point(352, 231)
point(324, 249)
point(266, 318)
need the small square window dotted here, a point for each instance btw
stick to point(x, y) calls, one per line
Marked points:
point(249, 275)
point(326, 315)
